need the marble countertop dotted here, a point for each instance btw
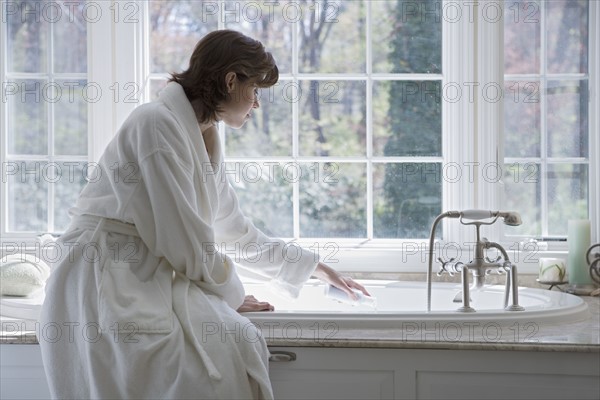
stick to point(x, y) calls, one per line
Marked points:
point(573, 337)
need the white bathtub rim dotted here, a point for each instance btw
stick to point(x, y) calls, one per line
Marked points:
point(576, 310)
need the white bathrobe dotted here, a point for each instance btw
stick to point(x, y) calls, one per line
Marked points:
point(142, 304)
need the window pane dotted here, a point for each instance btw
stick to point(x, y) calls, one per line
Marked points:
point(268, 22)
point(70, 37)
point(70, 118)
point(27, 116)
point(547, 118)
point(522, 115)
point(567, 118)
point(27, 196)
point(46, 110)
point(407, 36)
point(523, 194)
point(175, 28)
point(324, 26)
point(381, 116)
point(413, 124)
point(407, 198)
point(383, 28)
point(27, 38)
point(269, 131)
point(567, 196)
point(265, 193)
point(522, 37)
point(332, 118)
point(68, 180)
point(567, 29)
point(333, 200)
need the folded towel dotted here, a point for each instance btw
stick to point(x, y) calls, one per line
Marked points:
point(22, 274)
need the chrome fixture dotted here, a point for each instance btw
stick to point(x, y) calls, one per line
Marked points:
point(480, 266)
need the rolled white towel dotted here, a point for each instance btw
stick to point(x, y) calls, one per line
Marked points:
point(22, 274)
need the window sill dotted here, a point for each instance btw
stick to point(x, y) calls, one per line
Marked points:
point(381, 255)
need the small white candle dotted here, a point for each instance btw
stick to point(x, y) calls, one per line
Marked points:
point(552, 270)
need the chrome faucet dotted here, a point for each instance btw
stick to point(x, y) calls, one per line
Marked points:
point(480, 266)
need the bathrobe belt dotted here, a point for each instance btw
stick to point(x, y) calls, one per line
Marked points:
point(101, 224)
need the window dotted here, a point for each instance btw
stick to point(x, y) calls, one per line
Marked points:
point(349, 143)
point(44, 110)
point(379, 121)
point(547, 110)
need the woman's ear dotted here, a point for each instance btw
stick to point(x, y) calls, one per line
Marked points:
point(230, 80)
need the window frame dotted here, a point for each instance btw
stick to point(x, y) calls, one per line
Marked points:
point(467, 57)
point(355, 254)
point(104, 58)
point(27, 239)
point(491, 148)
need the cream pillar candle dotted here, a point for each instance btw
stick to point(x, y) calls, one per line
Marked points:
point(579, 232)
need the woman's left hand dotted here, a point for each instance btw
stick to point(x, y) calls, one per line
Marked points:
point(334, 278)
point(252, 304)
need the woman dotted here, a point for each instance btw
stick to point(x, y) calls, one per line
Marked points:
point(147, 306)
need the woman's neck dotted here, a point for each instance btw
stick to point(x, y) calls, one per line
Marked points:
point(204, 125)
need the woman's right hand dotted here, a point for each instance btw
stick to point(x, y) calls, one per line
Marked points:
point(252, 304)
point(334, 278)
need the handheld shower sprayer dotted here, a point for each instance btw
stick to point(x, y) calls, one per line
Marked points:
point(511, 218)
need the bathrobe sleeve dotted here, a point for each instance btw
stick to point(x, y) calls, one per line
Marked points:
point(286, 266)
point(175, 226)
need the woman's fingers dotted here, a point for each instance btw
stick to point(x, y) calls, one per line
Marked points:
point(345, 283)
point(252, 304)
point(353, 284)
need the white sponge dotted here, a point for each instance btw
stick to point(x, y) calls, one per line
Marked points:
point(22, 274)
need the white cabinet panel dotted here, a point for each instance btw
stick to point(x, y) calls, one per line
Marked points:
point(493, 386)
point(318, 373)
point(22, 373)
point(333, 384)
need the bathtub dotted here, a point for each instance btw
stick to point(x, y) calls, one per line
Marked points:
point(398, 304)
point(402, 302)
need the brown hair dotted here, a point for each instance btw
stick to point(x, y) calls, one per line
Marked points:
point(216, 54)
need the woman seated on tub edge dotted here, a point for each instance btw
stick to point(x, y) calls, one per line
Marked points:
point(151, 308)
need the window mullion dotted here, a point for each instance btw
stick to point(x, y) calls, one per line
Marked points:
point(594, 120)
point(3, 136)
point(369, 114)
point(543, 124)
point(295, 133)
point(221, 126)
point(101, 59)
point(543, 175)
point(458, 120)
point(50, 116)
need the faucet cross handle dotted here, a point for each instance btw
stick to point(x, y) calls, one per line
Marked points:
point(493, 262)
point(448, 266)
point(500, 268)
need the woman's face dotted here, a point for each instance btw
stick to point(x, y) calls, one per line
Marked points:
point(243, 97)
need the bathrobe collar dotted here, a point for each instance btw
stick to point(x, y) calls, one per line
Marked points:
point(174, 97)
point(208, 160)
